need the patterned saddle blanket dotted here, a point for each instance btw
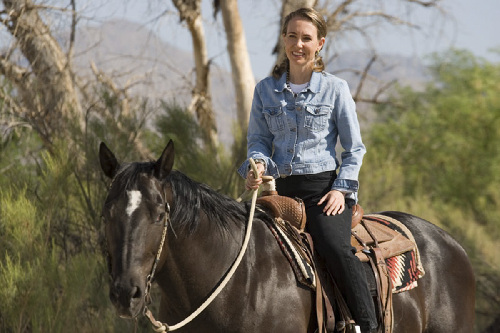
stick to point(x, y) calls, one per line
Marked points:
point(386, 244)
point(395, 241)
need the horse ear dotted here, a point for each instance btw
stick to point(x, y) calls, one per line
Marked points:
point(166, 161)
point(109, 163)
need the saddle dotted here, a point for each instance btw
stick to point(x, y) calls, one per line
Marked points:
point(374, 243)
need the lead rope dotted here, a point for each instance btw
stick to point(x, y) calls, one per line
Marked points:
point(163, 327)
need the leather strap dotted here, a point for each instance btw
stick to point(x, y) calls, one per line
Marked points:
point(319, 288)
point(344, 311)
point(330, 316)
point(383, 282)
point(386, 290)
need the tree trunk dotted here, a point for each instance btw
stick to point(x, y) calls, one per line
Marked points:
point(201, 102)
point(49, 97)
point(243, 79)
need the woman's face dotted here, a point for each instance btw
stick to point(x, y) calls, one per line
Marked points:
point(301, 42)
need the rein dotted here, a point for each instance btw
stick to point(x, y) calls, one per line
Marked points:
point(158, 326)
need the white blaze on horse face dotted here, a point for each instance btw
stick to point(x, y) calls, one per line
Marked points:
point(134, 200)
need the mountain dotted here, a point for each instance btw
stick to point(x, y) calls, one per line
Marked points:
point(129, 52)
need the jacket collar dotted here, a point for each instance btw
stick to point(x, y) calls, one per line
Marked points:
point(314, 84)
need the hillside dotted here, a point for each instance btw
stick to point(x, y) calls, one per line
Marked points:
point(129, 52)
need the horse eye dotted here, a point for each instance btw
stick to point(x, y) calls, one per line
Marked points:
point(160, 217)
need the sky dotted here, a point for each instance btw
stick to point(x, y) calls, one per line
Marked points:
point(466, 24)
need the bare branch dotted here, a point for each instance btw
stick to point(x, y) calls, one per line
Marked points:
point(8, 101)
point(108, 82)
point(337, 25)
point(16, 74)
point(340, 9)
point(363, 76)
point(72, 33)
point(124, 99)
point(384, 88)
point(54, 104)
point(432, 3)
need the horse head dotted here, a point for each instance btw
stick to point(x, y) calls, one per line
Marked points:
point(135, 214)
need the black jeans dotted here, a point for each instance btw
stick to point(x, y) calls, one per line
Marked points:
point(332, 239)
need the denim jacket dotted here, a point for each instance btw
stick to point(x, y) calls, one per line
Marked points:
point(295, 135)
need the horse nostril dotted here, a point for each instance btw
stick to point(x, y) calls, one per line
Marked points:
point(136, 293)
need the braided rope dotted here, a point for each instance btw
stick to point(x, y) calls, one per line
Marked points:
point(163, 327)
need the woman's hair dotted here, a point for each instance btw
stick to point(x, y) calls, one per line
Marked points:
point(319, 22)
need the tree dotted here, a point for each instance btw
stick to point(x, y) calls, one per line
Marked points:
point(434, 153)
point(201, 103)
point(46, 96)
point(243, 79)
point(50, 201)
point(349, 19)
point(446, 135)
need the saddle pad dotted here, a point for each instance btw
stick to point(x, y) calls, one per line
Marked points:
point(301, 266)
point(406, 268)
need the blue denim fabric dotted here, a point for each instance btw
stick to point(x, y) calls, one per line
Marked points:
point(297, 135)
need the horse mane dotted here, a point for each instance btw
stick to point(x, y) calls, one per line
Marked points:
point(193, 200)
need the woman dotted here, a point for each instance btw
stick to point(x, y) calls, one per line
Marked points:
point(297, 116)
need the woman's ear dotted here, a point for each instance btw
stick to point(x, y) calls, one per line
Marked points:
point(321, 43)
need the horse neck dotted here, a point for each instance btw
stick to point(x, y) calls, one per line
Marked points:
point(194, 263)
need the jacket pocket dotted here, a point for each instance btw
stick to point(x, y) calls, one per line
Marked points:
point(275, 118)
point(316, 117)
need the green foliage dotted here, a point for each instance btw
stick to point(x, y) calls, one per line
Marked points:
point(49, 266)
point(446, 137)
point(212, 166)
point(52, 270)
point(435, 154)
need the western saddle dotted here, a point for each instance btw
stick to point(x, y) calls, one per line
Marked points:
point(373, 241)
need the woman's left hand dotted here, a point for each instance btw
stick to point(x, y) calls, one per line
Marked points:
point(334, 202)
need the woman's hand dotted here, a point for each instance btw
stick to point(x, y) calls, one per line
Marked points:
point(334, 202)
point(252, 183)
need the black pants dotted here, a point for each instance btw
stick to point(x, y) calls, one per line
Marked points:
point(332, 239)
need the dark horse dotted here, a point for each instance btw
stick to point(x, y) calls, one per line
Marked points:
point(204, 234)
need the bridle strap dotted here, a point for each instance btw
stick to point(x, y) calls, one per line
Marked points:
point(149, 281)
point(163, 327)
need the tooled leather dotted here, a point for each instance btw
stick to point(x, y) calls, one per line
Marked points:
point(289, 209)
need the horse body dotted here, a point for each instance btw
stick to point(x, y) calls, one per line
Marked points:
point(261, 296)
point(205, 232)
point(444, 300)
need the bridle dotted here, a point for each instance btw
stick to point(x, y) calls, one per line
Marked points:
point(149, 279)
point(164, 327)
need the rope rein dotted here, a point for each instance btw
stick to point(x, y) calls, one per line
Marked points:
point(164, 327)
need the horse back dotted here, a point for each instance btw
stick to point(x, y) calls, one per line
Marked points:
point(444, 300)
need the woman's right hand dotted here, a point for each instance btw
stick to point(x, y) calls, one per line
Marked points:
point(253, 183)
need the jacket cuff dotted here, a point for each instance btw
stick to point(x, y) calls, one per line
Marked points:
point(270, 166)
point(345, 185)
